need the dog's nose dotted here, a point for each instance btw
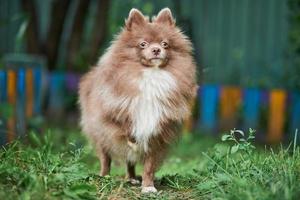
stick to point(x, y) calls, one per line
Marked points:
point(156, 51)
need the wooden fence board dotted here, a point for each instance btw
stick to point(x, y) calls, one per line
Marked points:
point(277, 113)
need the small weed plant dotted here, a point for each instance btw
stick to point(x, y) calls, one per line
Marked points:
point(241, 142)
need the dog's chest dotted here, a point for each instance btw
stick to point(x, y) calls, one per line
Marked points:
point(150, 108)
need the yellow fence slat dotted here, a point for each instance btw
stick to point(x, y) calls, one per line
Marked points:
point(277, 109)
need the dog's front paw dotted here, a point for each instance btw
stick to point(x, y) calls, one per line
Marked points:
point(134, 181)
point(150, 189)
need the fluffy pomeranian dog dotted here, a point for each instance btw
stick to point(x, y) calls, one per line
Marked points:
point(135, 99)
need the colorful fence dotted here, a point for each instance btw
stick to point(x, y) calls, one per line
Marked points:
point(20, 99)
point(275, 114)
point(22, 92)
point(222, 108)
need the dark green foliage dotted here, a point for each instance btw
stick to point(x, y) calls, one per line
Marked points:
point(293, 73)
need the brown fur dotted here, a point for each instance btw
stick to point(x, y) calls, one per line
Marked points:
point(106, 117)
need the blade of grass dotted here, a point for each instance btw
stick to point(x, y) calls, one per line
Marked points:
point(295, 141)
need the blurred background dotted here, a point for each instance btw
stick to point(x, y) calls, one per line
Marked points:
point(247, 53)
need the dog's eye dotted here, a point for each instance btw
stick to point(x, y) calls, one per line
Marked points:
point(143, 44)
point(164, 44)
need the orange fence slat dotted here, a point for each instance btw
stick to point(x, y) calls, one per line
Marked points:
point(230, 101)
point(277, 113)
point(188, 123)
point(11, 97)
point(29, 93)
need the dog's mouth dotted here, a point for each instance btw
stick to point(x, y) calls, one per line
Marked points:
point(157, 62)
point(154, 62)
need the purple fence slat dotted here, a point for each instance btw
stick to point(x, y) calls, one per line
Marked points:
point(264, 97)
point(72, 80)
point(37, 79)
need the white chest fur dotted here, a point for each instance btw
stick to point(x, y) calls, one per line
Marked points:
point(155, 86)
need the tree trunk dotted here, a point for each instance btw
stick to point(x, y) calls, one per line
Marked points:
point(32, 39)
point(100, 28)
point(58, 15)
point(76, 34)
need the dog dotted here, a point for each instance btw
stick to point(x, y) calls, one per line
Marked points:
point(135, 99)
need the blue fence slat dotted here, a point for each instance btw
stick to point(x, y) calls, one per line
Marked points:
point(251, 100)
point(3, 85)
point(209, 102)
point(295, 114)
point(20, 104)
point(21, 84)
point(37, 79)
point(56, 92)
point(3, 97)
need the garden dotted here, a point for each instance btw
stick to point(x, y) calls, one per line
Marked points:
point(241, 140)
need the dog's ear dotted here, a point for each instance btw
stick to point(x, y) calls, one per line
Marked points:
point(164, 17)
point(135, 18)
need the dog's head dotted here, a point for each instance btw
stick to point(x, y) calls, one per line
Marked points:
point(153, 42)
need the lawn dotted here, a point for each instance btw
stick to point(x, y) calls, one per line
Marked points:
point(61, 165)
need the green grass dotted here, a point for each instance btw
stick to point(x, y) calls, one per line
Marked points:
point(59, 165)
